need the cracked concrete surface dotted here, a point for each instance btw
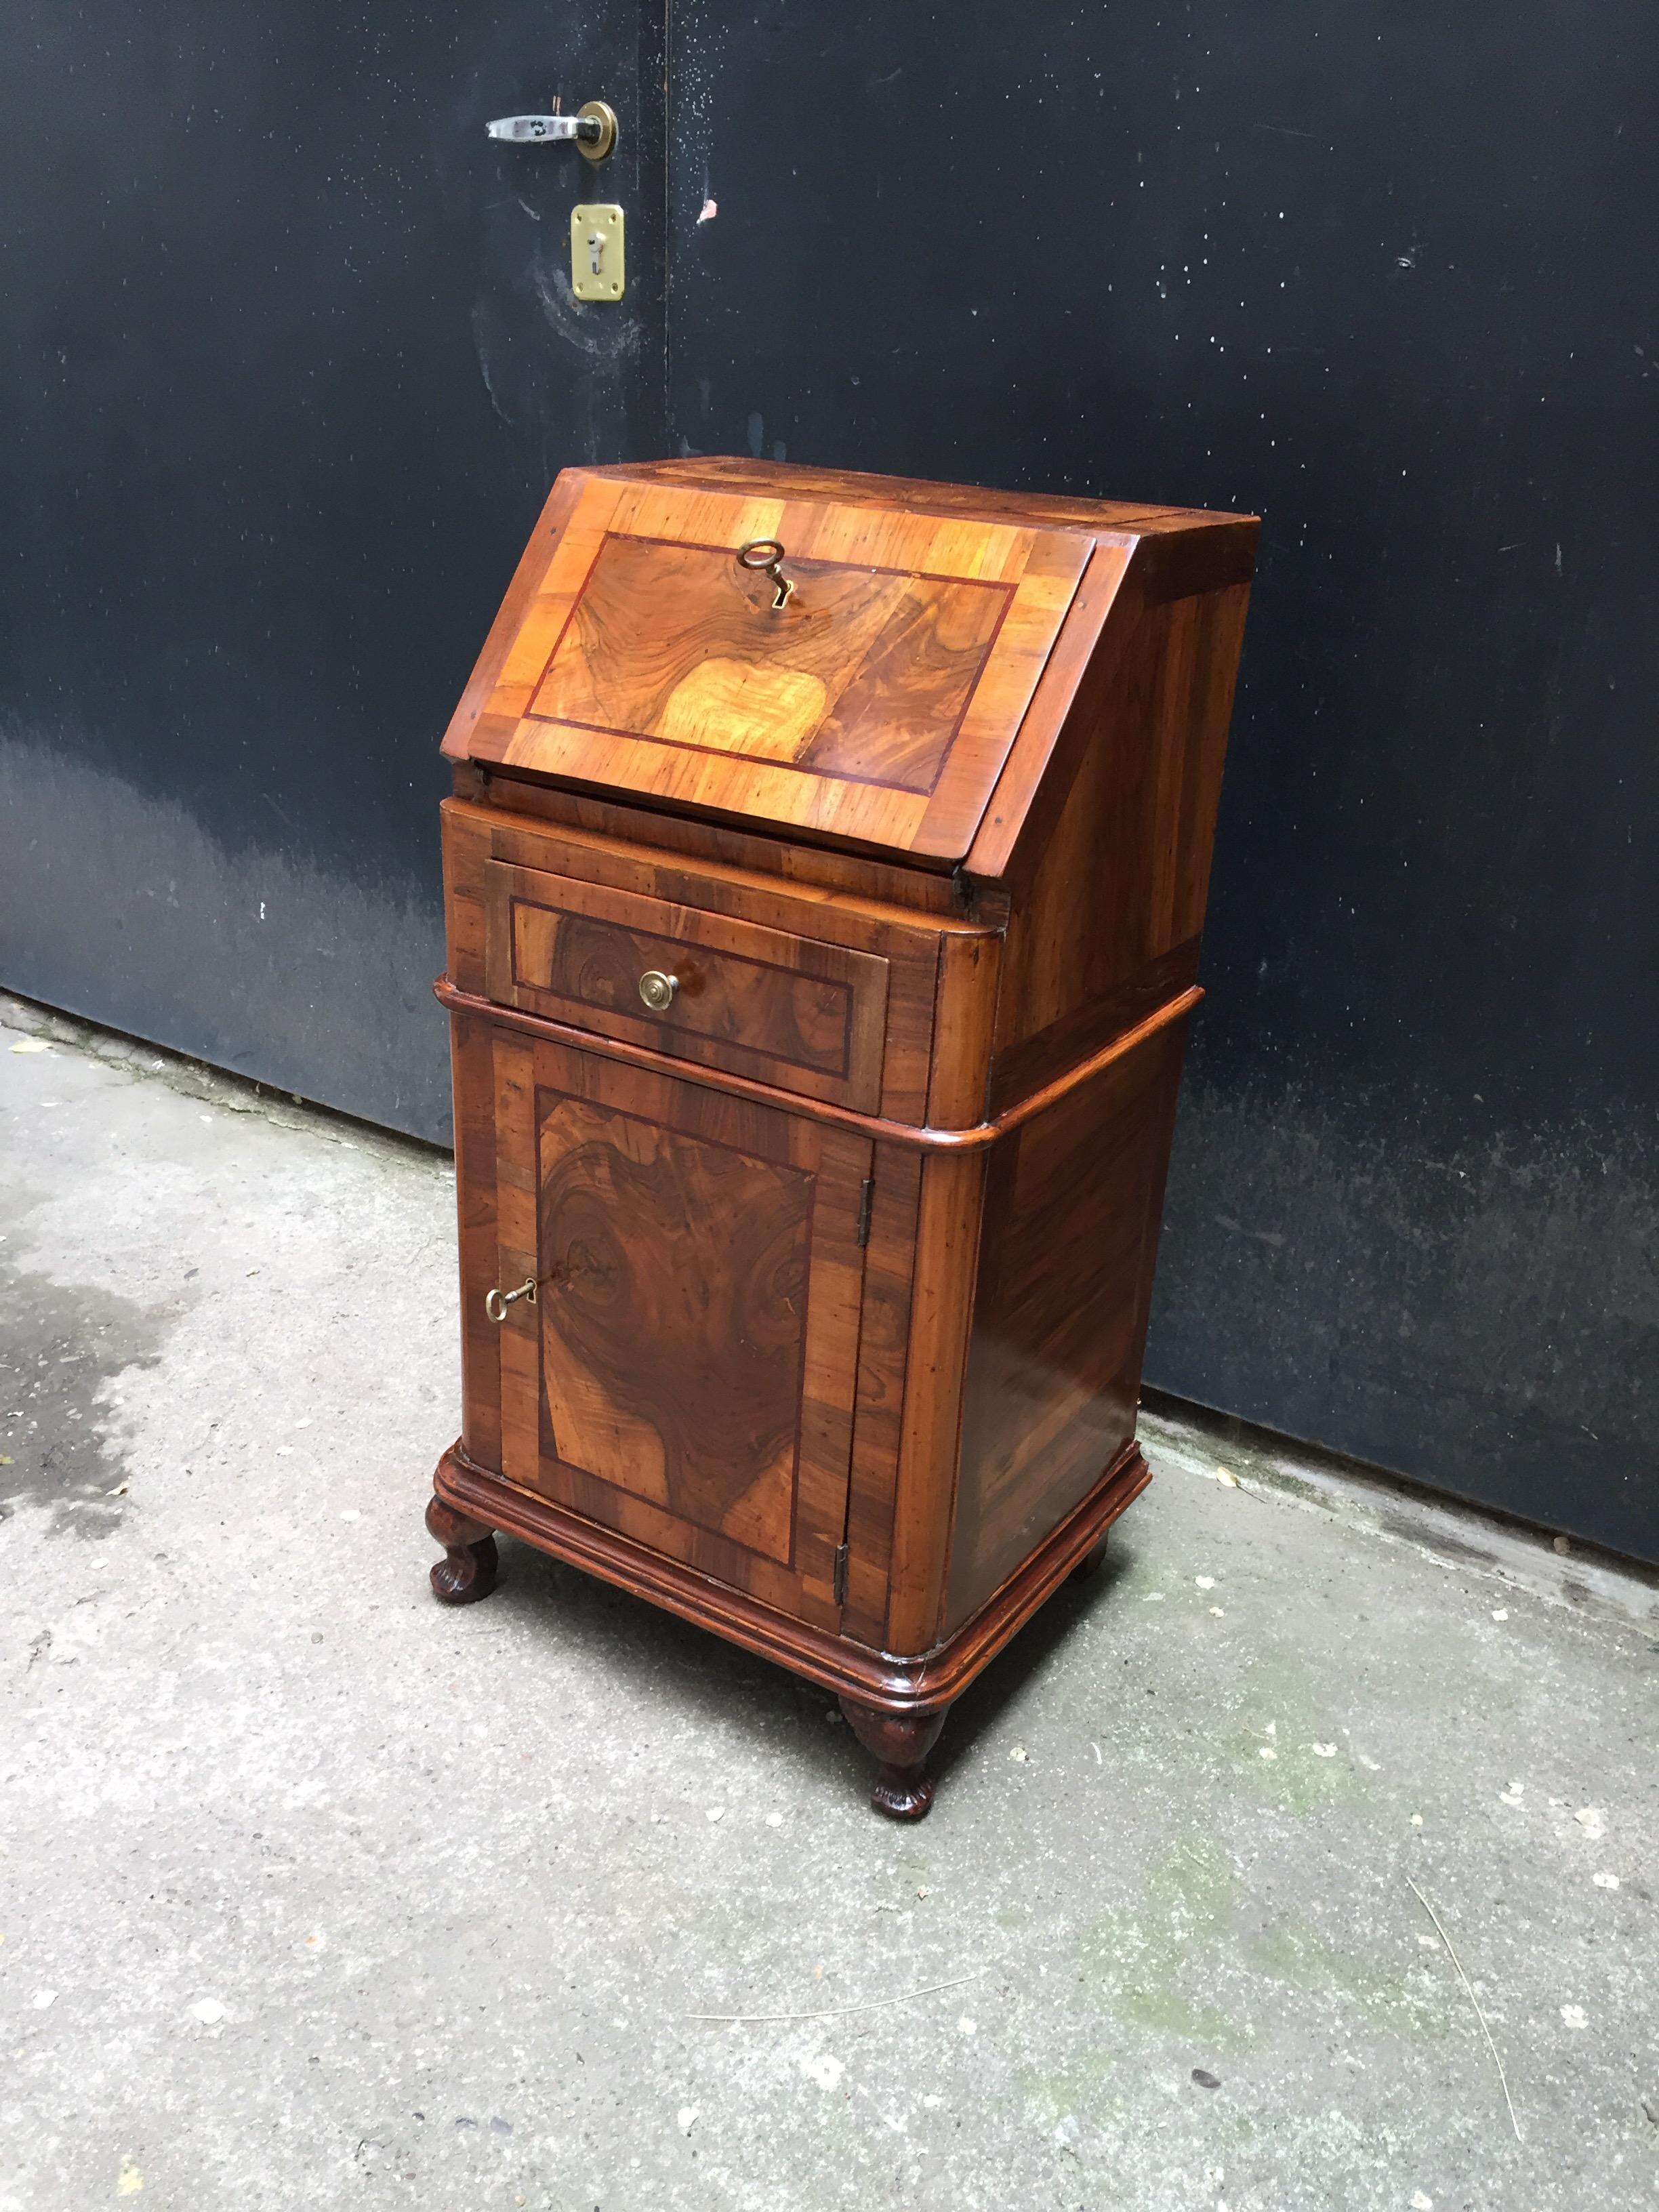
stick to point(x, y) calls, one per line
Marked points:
point(317, 1894)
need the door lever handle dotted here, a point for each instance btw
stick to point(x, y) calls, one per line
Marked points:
point(594, 127)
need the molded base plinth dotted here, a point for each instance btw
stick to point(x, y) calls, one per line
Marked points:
point(895, 1704)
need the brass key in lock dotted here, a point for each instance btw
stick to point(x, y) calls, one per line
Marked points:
point(766, 555)
point(497, 1302)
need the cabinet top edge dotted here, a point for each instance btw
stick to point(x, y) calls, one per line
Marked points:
point(915, 494)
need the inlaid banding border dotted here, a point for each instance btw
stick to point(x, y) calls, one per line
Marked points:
point(803, 566)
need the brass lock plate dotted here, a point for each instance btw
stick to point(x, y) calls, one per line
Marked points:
point(598, 268)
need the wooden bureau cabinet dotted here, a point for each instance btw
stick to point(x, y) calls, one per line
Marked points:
point(824, 875)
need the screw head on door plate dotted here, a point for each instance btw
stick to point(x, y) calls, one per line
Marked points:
point(598, 263)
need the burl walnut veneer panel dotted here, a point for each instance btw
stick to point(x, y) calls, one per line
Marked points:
point(1068, 1232)
point(879, 704)
point(807, 1298)
point(686, 1373)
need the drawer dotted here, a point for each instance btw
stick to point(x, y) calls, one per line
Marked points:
point(791, 1010)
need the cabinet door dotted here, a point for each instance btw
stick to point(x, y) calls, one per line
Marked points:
point(686, 1373)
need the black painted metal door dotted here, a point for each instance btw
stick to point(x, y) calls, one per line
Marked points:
point(288, 356)
point(1386, 281)
point(285, 366)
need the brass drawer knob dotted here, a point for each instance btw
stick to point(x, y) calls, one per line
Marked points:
point(658, 990)
point(497, 1302)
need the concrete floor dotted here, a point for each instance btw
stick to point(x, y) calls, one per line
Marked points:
point(318, 1894)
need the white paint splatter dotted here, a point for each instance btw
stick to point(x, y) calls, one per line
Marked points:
point(1593, 1820)
point(45, 2000)
point(1603, 1879)
point(709, 210)
point(1575, 2015)
point(686, 2118)
point(1500, 1612)
point(1205, 1582)
point(1019, 1753)
point(716, 1813)
point(1512, 1795)
point(775, 1819)
point(966, 2027)
point(31, 1044)
point(1323, 1750)
point(818, 2066)
point(1420, 2203)
point(209, 2011)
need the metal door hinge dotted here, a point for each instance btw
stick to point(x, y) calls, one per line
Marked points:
point(841, 1574)
point(866, 1198)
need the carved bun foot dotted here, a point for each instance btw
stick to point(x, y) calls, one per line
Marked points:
point(901, 1794)
point(900, 1743)
point(1091, 1560)
point(467, 1571)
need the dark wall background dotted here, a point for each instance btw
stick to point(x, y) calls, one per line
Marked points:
point(288, 356)
point(1385, 276)
point(286, 359)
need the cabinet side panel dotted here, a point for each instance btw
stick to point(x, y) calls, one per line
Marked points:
point(941, 1307)
point(1107, 926)
point(475, 1205)
point(883, 1341)
point(1073, 1202)
point(466, 849)
point(969, 970)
